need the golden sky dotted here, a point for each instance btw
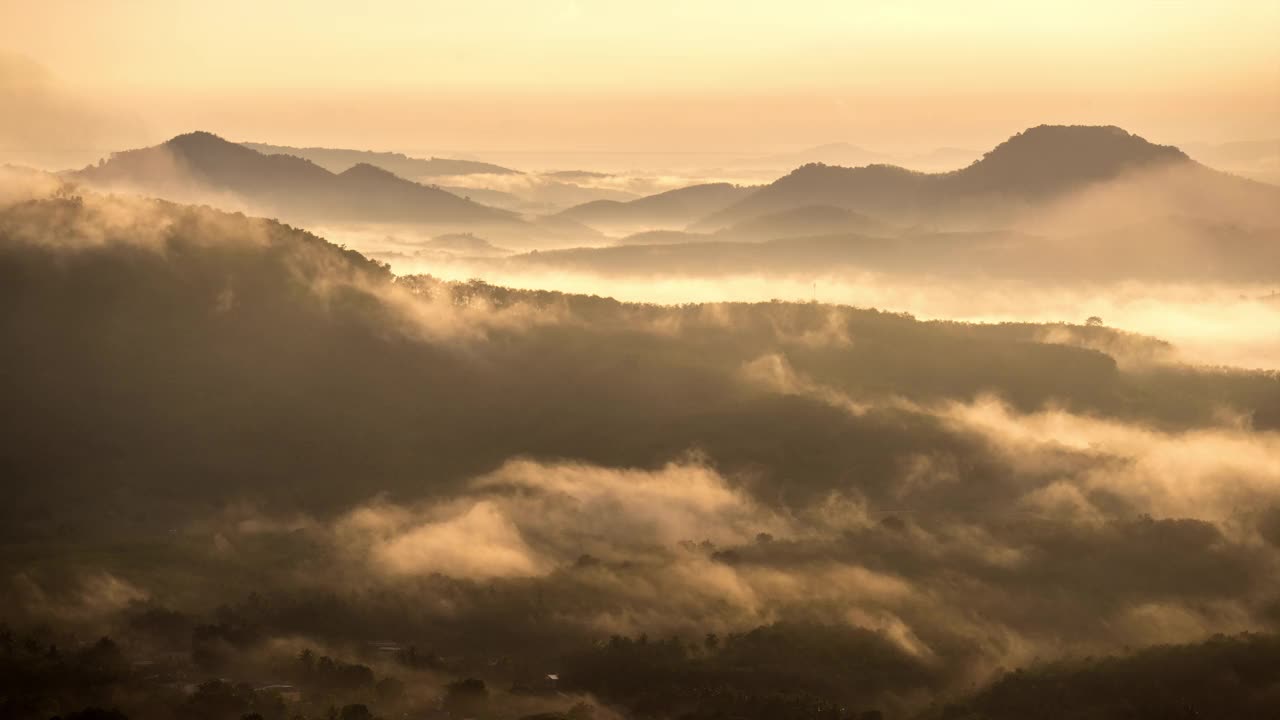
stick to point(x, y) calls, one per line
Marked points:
point(717, 75)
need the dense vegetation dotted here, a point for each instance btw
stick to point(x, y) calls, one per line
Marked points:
point(251, 458)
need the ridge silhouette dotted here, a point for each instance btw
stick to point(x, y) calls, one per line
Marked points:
point(296, 187)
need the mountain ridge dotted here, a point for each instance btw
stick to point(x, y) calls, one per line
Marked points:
point(193, 163)
point(339, 159)
point(678, 206)
point(1038, 163)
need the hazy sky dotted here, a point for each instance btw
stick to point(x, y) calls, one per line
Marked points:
point(717, 75)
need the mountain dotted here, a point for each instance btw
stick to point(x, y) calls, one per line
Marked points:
point(549, 194)
point(337, 160)
point(1050, 159)
point(717, 255)
point(200, 165)
point(179, 347)
point(806, 221)
point(572, 175)
point(487, 196)
point(664, 237)
point(668, 209)
point(883, 190)
point(1138, 684)
point(839, 153)
point(849, 155)
point(464, 244)
point(1037, 165)
point(1169, 249)
point(196, 399)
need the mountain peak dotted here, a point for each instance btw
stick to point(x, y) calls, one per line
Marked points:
point(1093, 139)
point(1047, 158)
point(196, 139)
point(820, 172)
point(195, 134)
point(201, 147)
point(284, 183)
point(367, 170)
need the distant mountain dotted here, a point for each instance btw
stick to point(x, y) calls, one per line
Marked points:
point(1050, 159)
point(839, 153)
point(711, 257)
point(577, 175)
point(464, 244)
point(337, 160)
point(1167, 249)
point(875, 189)
point(549, 194)
point(545, 231)
point(664, 237)
point(1033, 166)
point(1139, 684)
point(806, 221)
point(801, 222)
point(849, 155)
point(487, 196)
point(200, 166)
point(674, 208)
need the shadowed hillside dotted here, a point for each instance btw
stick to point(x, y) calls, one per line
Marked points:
point(336, 160)
point(654, 399)
point(234, 441)
point(203, 166)
point(674, 208)
point(806, 221)
point(1222, 678)
point(138, 330)
point(1038, 165)
point(1053, 159)
point(1170, 249)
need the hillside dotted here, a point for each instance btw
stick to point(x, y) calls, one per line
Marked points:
point(231, 436)
point(1222, 678)
point(1164, 249)
point(337, 159)
point(1032, 168)
point(806, 221)
point(672, 209)
point(285, 314)
point(201, 166)
point(839, 153)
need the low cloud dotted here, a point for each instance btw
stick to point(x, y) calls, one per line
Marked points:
point(529, 519)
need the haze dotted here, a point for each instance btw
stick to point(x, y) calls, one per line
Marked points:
point(735, 77)
point(639, 361)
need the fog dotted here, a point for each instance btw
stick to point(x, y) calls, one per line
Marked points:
point(842, 443)
point(1215, 324)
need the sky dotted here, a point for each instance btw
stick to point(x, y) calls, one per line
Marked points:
point(715, 76)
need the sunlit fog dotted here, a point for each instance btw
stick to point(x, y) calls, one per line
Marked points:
point(639, 361)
